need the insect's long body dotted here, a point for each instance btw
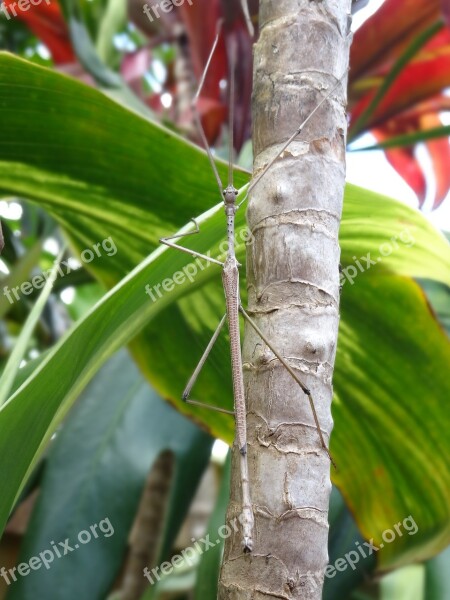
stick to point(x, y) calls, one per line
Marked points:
point(230, 279)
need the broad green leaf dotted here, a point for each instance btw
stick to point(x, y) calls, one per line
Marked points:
point(399, 239)
point(96, 471)
point(393, 441)
point(104, 172)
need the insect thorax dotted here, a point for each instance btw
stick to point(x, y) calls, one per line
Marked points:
point(230, 194)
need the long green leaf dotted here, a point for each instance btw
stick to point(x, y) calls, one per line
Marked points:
point(19, 272)
point(93, 61)
point(379, 445)
point(409, 139)
point(113, 20)
point(18, 353)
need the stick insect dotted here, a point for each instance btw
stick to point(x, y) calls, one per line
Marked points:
point(230, 279)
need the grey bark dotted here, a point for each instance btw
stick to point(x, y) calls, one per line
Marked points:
point(293, 284)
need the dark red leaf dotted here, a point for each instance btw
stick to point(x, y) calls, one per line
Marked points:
point(446, 10)
point(403, 160)
point(381, 38)
point(416, 83)
point(201, 21)
point(439, 151)
point(47, 23)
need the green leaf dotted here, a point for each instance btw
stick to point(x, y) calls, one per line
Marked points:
point(409, 139)
point(112, 21)
point(104, 172)
point(111, 82)
point(12, 366)
point(96, 471)
point(18, 274)
point(43, 400)
point(389, 392)
point(397, 238)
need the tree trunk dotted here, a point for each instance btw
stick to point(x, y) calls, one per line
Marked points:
point(293, 285)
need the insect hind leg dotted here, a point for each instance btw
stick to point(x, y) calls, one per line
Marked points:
point(294, 375)
point(199, 367)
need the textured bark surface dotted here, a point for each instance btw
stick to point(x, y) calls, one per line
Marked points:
point(293, 284)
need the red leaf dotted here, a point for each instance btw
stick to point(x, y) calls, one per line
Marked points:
point(213, 115)
point(201, 21)
point(405, 163)
point(133, 68)
point(381, 37)
point(446, 10)
point(439, 151)
point(423, 78)
point(435, 104)
point(45, 20)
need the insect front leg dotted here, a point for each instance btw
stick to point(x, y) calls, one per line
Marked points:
point(168, 242)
